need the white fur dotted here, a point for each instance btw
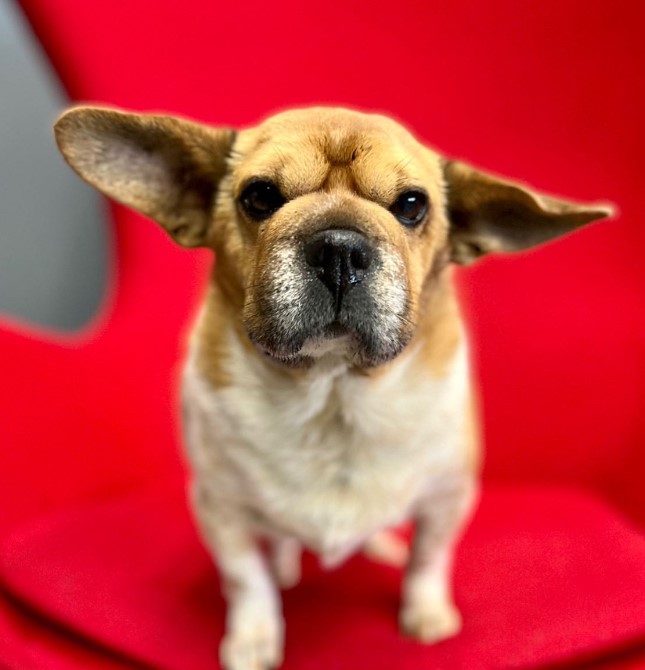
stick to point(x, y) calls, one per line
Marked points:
point(334, 456)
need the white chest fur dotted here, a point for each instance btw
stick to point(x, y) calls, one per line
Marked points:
point(333, 456)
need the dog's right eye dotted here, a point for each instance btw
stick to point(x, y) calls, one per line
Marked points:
point(411, 207)
point(260, 199)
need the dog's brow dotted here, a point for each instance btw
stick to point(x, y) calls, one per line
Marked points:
point(384, 184)
point(372, 165)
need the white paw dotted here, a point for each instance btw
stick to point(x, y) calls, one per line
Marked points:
point(253, 642)
point(430, 622)
point(287, 575)
point(285, 562)
point(388, 548)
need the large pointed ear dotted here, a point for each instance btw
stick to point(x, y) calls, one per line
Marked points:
point(165, 168)
point(489, 214)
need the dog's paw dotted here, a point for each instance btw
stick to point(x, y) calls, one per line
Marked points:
point(430, 622)
point(287, 575)
point(388, 548)
point(253, 644)
point(285, 562)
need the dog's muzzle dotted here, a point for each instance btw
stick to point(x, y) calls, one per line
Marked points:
point(334, 292)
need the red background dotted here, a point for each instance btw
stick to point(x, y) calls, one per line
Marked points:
point(547, 92)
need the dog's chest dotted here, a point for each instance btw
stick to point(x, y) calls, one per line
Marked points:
point(334, 456)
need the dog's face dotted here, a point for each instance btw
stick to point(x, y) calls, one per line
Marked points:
point(333, 223)
point(330, 226)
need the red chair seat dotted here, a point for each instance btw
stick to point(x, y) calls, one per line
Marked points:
point(543, 576)
point(547, 92)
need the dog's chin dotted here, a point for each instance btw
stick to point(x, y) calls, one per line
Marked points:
point(334, 345)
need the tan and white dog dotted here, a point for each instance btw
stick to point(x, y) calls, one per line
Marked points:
point(327, 394)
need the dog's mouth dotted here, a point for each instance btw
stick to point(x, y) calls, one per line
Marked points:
point(336, 329)
point(334, 339)
point(335, 343)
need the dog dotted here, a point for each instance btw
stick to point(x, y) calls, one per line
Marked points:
point(326, 395)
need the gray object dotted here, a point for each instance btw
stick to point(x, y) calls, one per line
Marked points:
point(54, 241)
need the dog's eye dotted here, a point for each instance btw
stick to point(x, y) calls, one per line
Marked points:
point(260, 199)
point(411, 207)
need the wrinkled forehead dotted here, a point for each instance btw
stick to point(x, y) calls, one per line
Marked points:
point(303, 151)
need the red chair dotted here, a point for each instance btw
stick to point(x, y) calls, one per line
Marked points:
point(99, 564)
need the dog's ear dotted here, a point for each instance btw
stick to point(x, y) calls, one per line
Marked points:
point(164, 167)
point(488, 214)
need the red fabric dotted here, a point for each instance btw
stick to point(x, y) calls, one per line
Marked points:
point(542, 576)
point(548, 92)
point(29, 642)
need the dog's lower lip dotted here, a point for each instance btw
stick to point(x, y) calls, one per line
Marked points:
point(267, 353)
point(274, 358)
point(335, 329)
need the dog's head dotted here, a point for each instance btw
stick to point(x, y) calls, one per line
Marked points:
point(330, 226)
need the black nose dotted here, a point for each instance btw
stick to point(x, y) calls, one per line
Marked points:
point(340, 258)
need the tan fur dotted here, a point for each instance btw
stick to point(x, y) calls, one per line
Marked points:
point(309, 439)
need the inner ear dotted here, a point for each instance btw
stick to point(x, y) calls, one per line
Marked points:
point(489, 214)
point(166, 168)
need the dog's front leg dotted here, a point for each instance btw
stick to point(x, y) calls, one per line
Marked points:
point(428, 612)
point(254, 624)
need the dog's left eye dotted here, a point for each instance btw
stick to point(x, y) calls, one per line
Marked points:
point(411, 207)
point(260, 199)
